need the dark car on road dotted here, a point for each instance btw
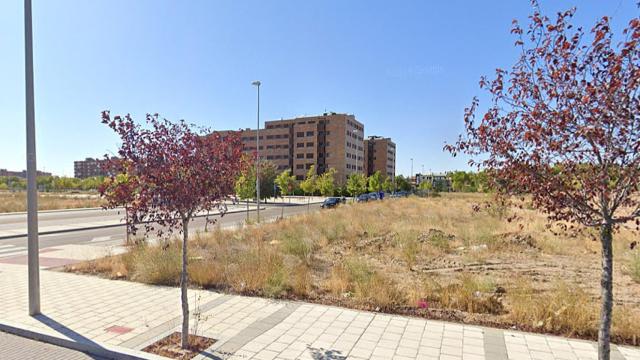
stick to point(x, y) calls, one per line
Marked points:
point(362, 198)
point(331, 203)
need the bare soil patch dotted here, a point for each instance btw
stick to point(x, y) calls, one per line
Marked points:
point(169, 346)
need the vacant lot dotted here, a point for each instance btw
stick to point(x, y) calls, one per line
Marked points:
point(434, 257)
point(17, 201)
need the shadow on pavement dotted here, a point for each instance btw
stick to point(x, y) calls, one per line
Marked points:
point(324, 354)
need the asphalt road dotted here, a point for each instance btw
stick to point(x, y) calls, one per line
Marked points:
point(116, 235)
point(51, 221)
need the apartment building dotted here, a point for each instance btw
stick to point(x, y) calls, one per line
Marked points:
point(327, 141)
point(437, 180)
point(380, 155)
point(88, 167)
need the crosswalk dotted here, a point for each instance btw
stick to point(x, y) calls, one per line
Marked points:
point(12, 250)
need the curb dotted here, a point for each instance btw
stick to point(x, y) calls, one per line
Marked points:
point(52, 232)
point(86, 346)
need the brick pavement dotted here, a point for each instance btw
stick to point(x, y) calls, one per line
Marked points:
point(132, 315)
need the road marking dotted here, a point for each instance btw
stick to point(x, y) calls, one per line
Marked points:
point(101, 238)
point(6, 246)
point(13, 250)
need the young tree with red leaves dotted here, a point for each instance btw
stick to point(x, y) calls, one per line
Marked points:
point(564, 126)
point(172, 173)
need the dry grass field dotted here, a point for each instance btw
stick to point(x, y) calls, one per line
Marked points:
point(434, 257)
point(17, 201)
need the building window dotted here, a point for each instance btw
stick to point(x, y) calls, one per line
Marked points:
point(300, 156)
point(309, 166)
point(309, 144)
point(310, 156)
point(309, 133)
point(300, 134)
point(300, 166)
point(300, 145)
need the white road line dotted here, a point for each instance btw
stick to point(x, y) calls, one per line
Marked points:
point(6, 246)
point(16, 250)
point(101, 239)
point(12, 249)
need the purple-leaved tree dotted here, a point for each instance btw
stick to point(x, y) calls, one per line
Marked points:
point(165, 174)
point(563, 125)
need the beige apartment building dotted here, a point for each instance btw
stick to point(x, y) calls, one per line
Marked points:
point(327, 141)
point(380, 155)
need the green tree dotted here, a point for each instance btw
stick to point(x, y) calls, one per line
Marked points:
point(268, 174)
point(462, 181)
point(402, 184)
point(425, 186)
point(325, 183)
point(308, 185)
point(387, 185)
point(286, 182)
point(356, 184)
point(375, 182)
point(245, 185)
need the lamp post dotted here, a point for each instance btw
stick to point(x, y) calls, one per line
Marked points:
point(257, 85)
point(411, 174)
point(32, 190)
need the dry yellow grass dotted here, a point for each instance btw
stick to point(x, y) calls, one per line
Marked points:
point(17, 201)
point(433, 257)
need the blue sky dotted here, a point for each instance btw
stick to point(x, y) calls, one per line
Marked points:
point(406, 69)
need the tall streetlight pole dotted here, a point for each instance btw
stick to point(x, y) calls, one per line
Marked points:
point(32, 191)
point(411, 174)
point(257, 85)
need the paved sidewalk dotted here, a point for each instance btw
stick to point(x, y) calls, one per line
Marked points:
point(132, 315)
point(14, 347)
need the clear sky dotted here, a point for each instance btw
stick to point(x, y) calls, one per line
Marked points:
point(406, 69)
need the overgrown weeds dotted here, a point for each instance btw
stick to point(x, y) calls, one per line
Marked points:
point(434, 256)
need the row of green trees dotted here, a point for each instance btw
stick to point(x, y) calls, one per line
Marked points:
point(469, 181)
point(273, 183)
point(52, 183)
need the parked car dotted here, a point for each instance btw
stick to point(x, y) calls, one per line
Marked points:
point(374, 196)
point(362, 198)
point(330, 202)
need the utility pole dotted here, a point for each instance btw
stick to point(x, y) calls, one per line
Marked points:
point(411, 174)
point(32, 190)
point(257, 85)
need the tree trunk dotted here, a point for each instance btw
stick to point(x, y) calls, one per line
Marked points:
point(183, 286)
point(606, 284)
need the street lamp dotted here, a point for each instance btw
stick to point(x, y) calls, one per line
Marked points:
point(257, 85)
point(32, 191)
point(411, 174)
